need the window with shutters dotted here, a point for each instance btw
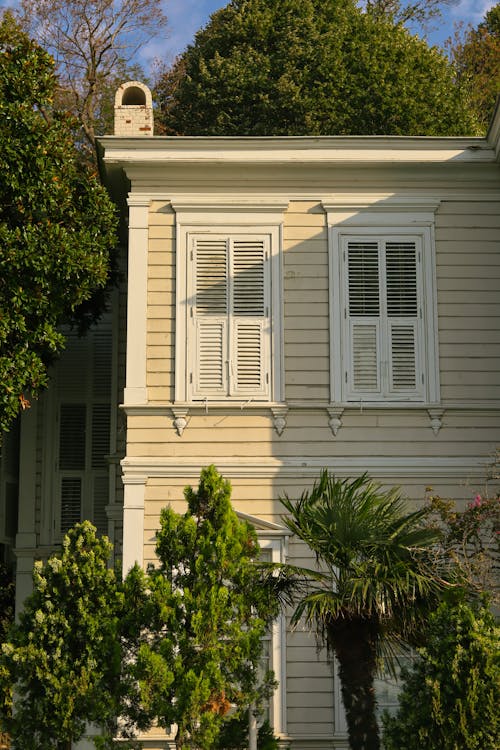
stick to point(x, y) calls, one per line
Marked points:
point(82, 406)
point(229, 317)
point(386, 319)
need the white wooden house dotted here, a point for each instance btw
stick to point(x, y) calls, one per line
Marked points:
point(288, 304)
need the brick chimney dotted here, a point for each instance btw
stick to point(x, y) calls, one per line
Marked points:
point(133, 110)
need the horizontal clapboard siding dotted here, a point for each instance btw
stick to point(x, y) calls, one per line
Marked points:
point(160, 360)
point(306, 307)
point(468, 284)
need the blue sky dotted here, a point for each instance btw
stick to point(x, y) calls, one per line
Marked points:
point(187, 16)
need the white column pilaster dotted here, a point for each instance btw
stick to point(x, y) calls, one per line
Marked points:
point(135, 388)
point(134, 490)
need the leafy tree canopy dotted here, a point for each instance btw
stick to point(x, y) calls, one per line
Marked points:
point(208, 612)
point(57, 224)
point(476, 56)
point(310, 67)
point(450, 698)
point(64, 656)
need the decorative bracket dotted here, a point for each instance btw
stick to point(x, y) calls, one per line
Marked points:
point(180, 421)
point(436, 417)
point(335, 421)
point(279, 418)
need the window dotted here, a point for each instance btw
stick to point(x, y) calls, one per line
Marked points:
point(228, 303)
point(383, 318)
point(80, 405)
point(383, 311)
point(229, 317)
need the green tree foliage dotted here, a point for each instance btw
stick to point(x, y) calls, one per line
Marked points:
point(64, 657)
point(7, 599)
point(470, 543)
point(208, 613)
point(57, 224)
point(309, 67)
point(476, 56)
point(450, 697)
point(375, 587)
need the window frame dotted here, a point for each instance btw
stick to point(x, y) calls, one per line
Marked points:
point(385, 221)
point(228, 220)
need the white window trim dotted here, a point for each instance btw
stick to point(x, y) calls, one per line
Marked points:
point(274, 539)
point(377, 217)
point(218, 218)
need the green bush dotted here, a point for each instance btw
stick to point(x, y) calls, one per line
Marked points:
point(450, 697)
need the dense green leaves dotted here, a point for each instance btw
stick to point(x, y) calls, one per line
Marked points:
point(476, 56)
point(450, 697)
point(309, 67)
point(208, 613)
point(63, 658)
point(57, 224)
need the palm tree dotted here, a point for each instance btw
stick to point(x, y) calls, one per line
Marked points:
point(376, 584)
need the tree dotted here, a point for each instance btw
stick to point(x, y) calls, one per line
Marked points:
point(470, 543)
point(57, 224)
point(408, 11)
point(309, 67)
point(375, 583)
point(208, 613)
point(476, 56)
point(64, 658)
point(450, 698)
point(94, 42)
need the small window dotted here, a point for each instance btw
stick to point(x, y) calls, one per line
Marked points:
point(229, 318)
point(383, 312)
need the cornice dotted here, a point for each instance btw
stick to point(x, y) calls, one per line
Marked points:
point(295, 149)
point(425, 468)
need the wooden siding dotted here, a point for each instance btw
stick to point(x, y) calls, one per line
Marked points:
point(467, 273)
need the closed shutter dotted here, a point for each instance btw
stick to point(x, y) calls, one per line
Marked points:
point(383, 320)
point(84, 420)
point(248, 319)
point(229, 317)
point(403, 316)
point(363, 311)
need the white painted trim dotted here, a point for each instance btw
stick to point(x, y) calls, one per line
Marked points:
point(387, 467)
point(278, 639)
point(134, 491)
point(164, 409)
point(264, 219)
point(135, 389)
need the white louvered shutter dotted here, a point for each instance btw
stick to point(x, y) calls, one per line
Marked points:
point(84, 416)
point(248, 376)
point(210, 317)
point(229, 316)
point(403, 317)
point(383, 320)
point(363, 375)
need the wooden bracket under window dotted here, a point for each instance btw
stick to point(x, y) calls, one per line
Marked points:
point(436, 417)
point(180, 421)
point(335, 421)
point(279, 418)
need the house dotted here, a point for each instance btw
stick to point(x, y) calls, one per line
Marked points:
point(288, 304)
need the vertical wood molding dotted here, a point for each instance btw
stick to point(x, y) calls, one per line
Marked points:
point(135, 388)
point(134, 491)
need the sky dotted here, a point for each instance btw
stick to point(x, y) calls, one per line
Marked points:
point(187, 16)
